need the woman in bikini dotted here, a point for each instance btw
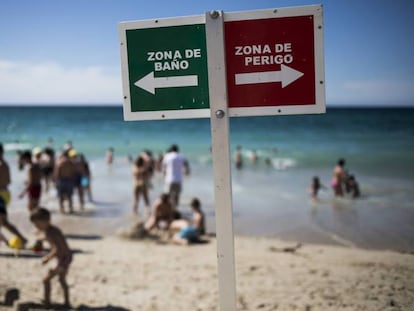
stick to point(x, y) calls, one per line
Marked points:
point(140, 174)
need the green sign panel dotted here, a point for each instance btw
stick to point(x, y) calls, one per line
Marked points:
point(166, 69)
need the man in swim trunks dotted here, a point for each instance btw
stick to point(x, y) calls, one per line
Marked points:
point(80, 172)
point(65, 175)
point(5, 197)
point(33, 182)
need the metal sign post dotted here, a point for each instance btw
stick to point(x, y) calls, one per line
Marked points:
point(253, 63)
point(221, 159)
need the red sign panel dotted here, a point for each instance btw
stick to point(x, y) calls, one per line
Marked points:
point(270, 62)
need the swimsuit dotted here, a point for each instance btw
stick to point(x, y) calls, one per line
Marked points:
point(85, 181)
point(3, 210)
point(139, 185)
point(65, 261)
point(34, 191)
point(189, 233)
point(47, 170)
point(65, 186)
point(5, 195)
point(4, 201)
point(78, 180)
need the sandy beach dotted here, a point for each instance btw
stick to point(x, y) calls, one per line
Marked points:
point(110, 273)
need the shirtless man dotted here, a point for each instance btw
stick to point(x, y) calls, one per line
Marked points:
point(338, 178)
point(33, 186)
point(80, 172)
point(5, 198)
point(162, 213)
point(65, 174)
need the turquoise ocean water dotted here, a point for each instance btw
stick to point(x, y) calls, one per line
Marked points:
point(378, 145)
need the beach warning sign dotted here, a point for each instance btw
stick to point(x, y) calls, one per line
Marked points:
point(273, 62)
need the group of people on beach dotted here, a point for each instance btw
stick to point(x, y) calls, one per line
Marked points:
point(41, 219)
point(165, 214)
point(342, 183)
point(69, 172)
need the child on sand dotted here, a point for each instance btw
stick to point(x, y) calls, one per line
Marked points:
point(162, 213)
point(59, 249)
point(189, 231)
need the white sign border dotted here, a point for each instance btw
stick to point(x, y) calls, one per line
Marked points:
point(320, 105)
point(130, 115)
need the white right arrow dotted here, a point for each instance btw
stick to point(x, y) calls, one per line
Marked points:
point(286, 75)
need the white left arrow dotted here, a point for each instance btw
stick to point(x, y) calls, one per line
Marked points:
point(286, 76)
point(149, 83)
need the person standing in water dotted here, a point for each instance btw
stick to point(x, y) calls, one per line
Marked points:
point(174, 165)
point(80, 172)
point(238, 158)
point(110, 156)
point(33, 186)
point(339, 177)
point(48, 164)
point(65, 174)
point(140, 173)
point(86, 178)
point(314, 188)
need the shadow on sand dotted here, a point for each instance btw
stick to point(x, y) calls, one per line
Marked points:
point(83, 236)
point(32, 306)
point(29, 254)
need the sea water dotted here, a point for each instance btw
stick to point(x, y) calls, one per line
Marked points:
point(269, 200)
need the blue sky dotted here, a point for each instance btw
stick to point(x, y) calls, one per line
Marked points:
point(55, 51)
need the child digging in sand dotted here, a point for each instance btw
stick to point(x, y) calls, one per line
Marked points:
point(40, 217)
